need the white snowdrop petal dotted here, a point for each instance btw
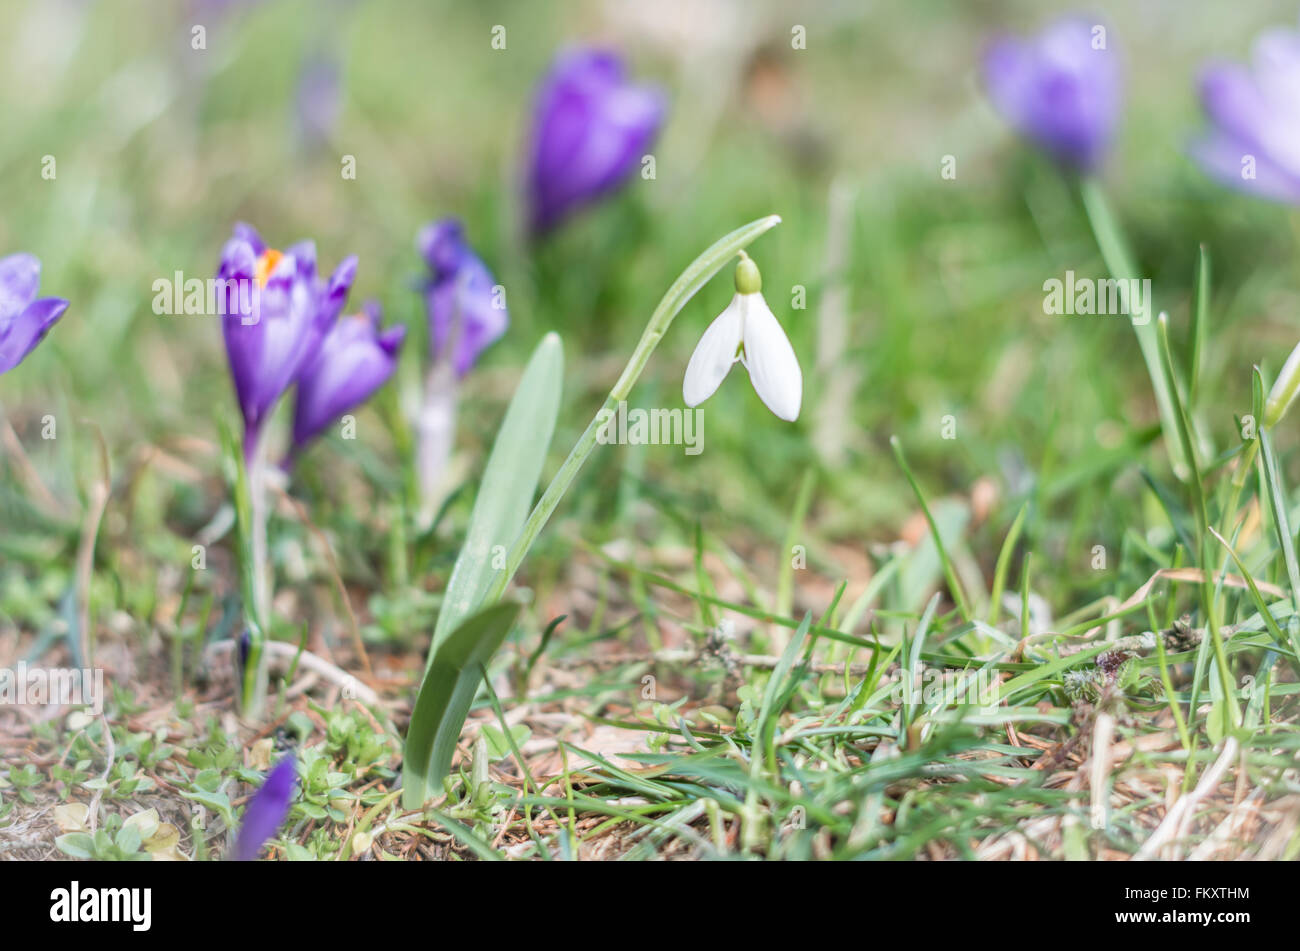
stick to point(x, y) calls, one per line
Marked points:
point(714, 355)
point(773, 367)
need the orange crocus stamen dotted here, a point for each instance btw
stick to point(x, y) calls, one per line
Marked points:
point(265, 265)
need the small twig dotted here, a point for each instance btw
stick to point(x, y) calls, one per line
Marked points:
point(1103, 733)
point(284, 653)
point(688, 657)
point(1232, 824)
point(1182, 636)
point(1191, 576)
point(99, 493)
point(109, 756)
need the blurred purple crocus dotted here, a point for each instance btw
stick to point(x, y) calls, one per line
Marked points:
point(1254, 111)
point(277, 313)
point(466, 311)
point(1061, 89)
point(24, 319)
point(590, 129)
point(266, 810)
point(354, 360)
point(318, 100)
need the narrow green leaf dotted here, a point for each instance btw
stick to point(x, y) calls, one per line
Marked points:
point(1265, 613)
point(785, 580)
point(1004, 564)
point(1209, 595)
point(1277, 505)
point(912, 667)
point(467, 837)
point(510, 480)
point(445, 697)
point(1013, 686)
point(505, 496)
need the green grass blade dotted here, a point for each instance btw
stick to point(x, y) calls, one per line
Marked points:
point(1277, 505)
point(1265, 613)
point(1004, 564)
point(1209, 595)
point(949, 572)
point(1200, 323)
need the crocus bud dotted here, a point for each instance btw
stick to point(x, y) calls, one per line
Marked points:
point(591, 128)
point(1254, 114)
point(1284, 390)
point(353, 361)
point(266, 810)
point(466, 308)
point(24, 319)
point(1061, 89)
point(243, 645)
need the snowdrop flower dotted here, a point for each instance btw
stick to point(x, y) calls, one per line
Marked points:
point(747, 331)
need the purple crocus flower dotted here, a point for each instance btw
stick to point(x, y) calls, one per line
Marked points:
point(266, 811)
point(1254, 142)
point(590, 130)
point(277, 312)
point(464, 308)
point(1061, 89)
point(24, 319)
point(354, 359)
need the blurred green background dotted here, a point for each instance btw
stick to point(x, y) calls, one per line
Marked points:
point(160, 148)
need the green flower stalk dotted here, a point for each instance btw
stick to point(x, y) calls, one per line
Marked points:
point(682, 290)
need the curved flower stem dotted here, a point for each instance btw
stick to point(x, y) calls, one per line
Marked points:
point(1115, 252)
point(683, 289)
